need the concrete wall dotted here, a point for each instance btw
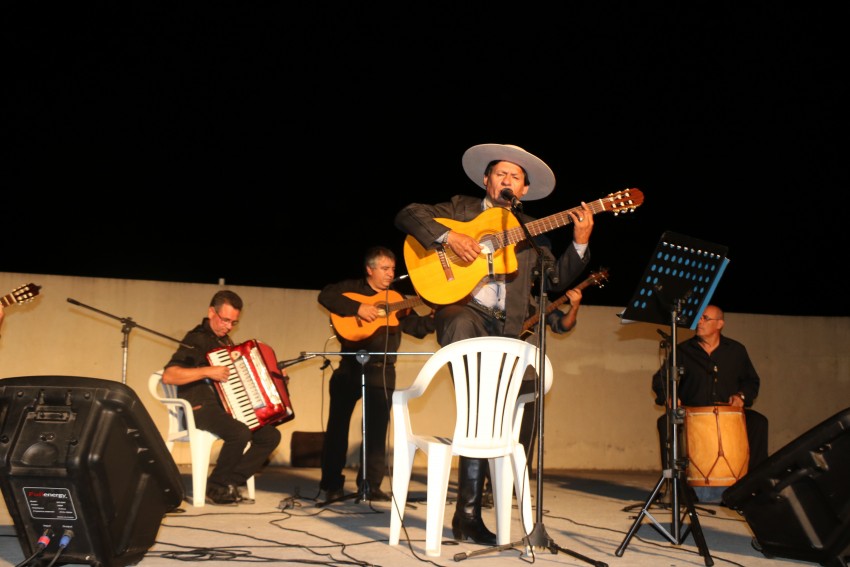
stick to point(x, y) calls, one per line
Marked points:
point(600, 412)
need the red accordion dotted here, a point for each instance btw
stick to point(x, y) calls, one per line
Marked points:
point(255, 392)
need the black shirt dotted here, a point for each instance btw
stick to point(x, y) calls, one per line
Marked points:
point(709, 379)
point(203, 339)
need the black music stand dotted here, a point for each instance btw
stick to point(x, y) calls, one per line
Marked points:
point(677, 286)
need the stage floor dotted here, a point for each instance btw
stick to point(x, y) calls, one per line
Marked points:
point(585, 517)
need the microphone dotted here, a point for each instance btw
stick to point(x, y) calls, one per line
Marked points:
point(508, 195)
point(398, 279)
point(287, 363)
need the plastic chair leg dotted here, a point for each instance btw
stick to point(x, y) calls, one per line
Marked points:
point(201, 445)
point(522, 486)
point(439, 469)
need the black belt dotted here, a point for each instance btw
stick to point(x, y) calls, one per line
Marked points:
point(497, 314)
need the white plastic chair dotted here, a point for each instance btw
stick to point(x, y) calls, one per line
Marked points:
point(487, 374)
point(181, 427)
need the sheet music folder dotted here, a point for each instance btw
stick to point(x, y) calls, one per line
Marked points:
point(683, 269)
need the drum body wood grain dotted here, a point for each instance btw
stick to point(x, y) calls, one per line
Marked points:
point(716, 444)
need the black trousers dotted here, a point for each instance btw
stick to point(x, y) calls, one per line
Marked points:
point(235, 465)
point(345, 390)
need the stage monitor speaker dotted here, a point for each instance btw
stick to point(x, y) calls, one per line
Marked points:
point(797, 502)
point(306, 448)
point(82, 461)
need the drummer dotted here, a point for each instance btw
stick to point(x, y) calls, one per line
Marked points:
point(715, 370)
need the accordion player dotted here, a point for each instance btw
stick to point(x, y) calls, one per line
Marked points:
point(255, 392)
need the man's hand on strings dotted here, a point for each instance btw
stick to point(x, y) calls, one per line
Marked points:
point(465, 247)
point(368, 312)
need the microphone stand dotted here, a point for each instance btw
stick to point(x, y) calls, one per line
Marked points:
point(127, 325)
point(362, 356)
point(538, 539)
point(293, 361)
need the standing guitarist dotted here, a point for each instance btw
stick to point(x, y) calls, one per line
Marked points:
point(359, 303)
point(499, 304)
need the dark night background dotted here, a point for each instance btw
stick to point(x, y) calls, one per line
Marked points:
point(270, 144)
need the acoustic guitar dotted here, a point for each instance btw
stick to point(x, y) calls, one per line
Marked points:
point(353, 328)
point(440, 277)
point(21, 294)
point(596, 278)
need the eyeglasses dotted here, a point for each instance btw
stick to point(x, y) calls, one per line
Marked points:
point(707, 318)
point(230, 322)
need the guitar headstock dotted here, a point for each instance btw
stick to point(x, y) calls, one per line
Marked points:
point(625, 201)
point(599, 277)
point(21, 294)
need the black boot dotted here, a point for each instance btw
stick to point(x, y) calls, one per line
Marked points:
point(467, 523)
point(487, 491)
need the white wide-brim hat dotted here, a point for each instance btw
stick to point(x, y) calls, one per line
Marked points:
point(541, 179)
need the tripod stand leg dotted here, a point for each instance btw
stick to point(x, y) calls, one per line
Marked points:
point(675, 536)
point(644, 511)
point(537, 539)
point(695, 527)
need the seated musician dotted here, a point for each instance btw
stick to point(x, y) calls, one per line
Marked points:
point(190, 370)
point(500, 304)
point(715, 370)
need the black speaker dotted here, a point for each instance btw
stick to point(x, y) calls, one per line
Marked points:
point(306, 448)
point(83, 465)
point(797, 502)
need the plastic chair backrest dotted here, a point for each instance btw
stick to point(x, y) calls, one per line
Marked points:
point(180, 419)
point(487, 373)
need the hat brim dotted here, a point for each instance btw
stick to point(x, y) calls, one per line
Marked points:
point(541, 178)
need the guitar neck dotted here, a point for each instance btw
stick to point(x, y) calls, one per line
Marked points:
point(532, 321)
point(594, 279)
point(546, 224)
point(623, 201)
point(414, 301)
